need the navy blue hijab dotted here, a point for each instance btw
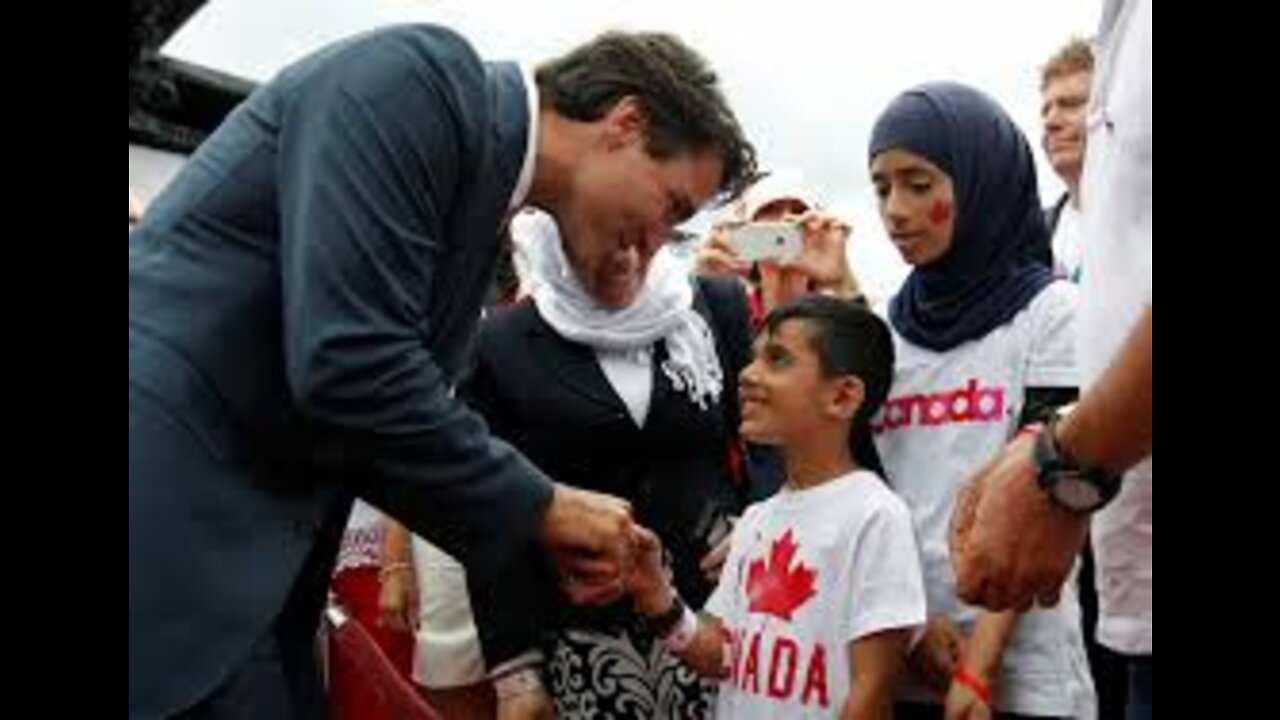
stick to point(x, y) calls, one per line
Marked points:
point(999, 257)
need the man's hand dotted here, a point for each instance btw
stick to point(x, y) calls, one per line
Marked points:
point(650, 581)
point(592, 538)
point(1010, 544)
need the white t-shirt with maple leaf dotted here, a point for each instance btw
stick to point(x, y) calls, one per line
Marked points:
point(809, 572)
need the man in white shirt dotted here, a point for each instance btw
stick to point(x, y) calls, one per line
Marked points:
point(1064, 98)
point(1017, 527)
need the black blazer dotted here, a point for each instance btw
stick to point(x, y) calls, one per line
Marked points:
point(549, 397)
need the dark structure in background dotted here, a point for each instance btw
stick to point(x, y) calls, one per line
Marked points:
point(172, 105)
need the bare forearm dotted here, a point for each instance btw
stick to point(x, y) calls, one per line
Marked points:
point(986, 645)
point(1111, 426)
point(705, 652)
point(705, 655)
point(879, 660)
point(866, 703)
point(871, 692)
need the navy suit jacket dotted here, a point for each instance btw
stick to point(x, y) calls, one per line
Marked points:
point(301, 299)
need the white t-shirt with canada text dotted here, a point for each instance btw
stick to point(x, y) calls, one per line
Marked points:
point(809, 572)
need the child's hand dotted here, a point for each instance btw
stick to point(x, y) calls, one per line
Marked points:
point(934, 658)
point(649, 583)
point(963, 703)
point(532, 705)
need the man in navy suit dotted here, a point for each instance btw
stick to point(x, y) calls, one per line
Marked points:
point(301, 299)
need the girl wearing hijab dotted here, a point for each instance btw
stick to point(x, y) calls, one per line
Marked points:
point(984, 339)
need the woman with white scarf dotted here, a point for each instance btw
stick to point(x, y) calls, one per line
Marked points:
point(639, 402)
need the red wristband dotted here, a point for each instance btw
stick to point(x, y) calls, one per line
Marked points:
point(979, 688)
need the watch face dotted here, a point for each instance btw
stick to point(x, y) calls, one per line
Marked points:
point(1076, 493)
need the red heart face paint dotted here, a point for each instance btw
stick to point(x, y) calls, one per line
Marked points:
point(940, 212)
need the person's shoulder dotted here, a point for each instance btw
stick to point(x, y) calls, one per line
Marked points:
point(504, 323)
point(381, 63)
point(1057, 301)
point(880, 306)
point(757, 512)
point(1057, 295)
point(876, 498)
point(425, 37)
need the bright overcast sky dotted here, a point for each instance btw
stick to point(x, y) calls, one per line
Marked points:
point(806, 78)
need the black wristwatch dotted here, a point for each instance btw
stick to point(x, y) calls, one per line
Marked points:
point(663, 623)
point(1070, 485)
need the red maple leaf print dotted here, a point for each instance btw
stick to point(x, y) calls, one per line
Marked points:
point(774, 587)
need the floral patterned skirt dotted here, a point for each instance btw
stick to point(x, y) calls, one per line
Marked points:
point(623, 673)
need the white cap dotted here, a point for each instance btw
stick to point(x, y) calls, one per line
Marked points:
point(777, 185)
